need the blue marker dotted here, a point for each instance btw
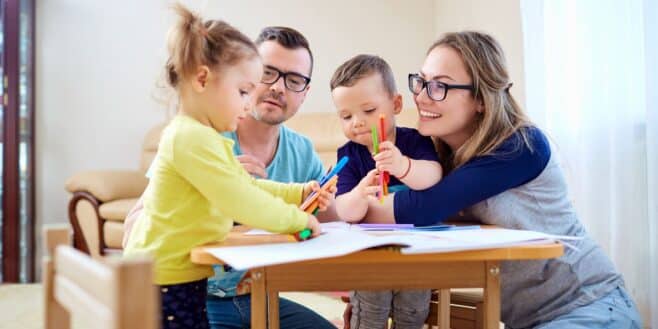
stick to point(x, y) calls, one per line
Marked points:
point(339, 166)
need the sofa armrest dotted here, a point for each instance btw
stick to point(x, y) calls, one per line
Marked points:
point(108, 185)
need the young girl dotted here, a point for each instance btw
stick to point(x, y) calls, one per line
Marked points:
point(198, 188)
point(501, 170)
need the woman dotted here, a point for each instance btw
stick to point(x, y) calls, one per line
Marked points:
point(501, 170)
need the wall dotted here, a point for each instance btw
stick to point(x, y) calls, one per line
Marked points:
point(501, 19)
point(97, 67)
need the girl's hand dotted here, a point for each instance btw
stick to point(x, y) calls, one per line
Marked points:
point(390, 159)
point(314, 225)
point(325, 196)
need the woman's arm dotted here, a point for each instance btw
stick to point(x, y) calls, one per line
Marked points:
point(416, 174)
point(511, 165)
point(422, 174)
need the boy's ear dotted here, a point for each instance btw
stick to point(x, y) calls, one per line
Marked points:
point(201, 78)
point(397, 104)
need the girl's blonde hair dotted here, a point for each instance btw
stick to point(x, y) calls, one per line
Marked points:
point(194, 42)
point(502, 116)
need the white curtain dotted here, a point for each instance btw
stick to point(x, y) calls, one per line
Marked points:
point(591, 70)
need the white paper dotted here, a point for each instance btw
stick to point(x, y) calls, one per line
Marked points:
point(339, 240)
point(329, 244)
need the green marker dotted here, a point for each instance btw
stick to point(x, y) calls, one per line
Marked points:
point(303, 234)
point(375, 139)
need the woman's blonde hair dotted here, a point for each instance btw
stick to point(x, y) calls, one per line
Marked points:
point(502, 116)
point(193, 42)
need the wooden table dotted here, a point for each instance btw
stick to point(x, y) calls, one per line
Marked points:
point(379, 269)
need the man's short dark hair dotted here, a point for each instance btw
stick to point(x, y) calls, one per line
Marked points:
point(287, 37)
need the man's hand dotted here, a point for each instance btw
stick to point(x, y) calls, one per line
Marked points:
point(252, 165)
point(347, 316)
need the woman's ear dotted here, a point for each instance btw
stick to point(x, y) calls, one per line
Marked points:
point(480, 108)
point(397, 104)
point(201, 78)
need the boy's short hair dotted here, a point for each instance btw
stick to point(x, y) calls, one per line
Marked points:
point(362, 66)
point(287, 37)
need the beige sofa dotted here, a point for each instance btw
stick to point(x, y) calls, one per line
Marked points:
point(101, 200)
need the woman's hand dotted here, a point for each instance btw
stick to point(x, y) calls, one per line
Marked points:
point(390, 159)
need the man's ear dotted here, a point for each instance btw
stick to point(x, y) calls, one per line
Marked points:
point(397, 104)
point(201, 78)
point(308, 87)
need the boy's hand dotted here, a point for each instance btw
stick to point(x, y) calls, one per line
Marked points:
point(390, 159)
point(314, 225)
point(368, 184)
point(325, 197)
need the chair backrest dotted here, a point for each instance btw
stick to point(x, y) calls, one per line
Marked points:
point(112, 294)
point(150, 146)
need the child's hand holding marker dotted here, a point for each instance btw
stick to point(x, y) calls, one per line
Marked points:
point(325, 196)
point(391, 159)
point(312, 230)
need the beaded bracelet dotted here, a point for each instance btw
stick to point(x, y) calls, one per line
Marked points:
point(407, 171)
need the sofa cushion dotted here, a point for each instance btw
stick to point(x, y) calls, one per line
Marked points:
point(113, 234)
point(150, 146)
point(117, 210)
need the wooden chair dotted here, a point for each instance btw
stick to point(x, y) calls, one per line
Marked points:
point(111, 293)
point(465, 307)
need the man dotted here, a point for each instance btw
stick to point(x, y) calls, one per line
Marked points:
point(267, 149)
point(270, 150)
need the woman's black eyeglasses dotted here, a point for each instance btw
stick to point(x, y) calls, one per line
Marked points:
point(436, 90)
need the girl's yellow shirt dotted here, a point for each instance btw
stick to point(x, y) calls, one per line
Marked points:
point(197, 190)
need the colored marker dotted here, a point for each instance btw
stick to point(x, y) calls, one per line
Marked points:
point(375, 140)
point(339, 166)
point(386, 178)
point(304, 234)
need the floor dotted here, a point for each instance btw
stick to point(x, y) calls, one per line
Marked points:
point(21, 306)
